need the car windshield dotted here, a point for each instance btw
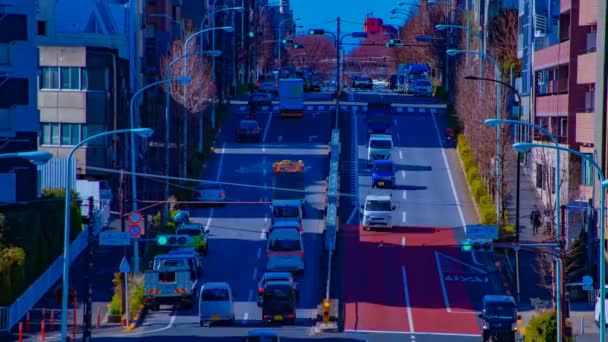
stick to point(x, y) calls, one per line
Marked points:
point(501, 311)
point(215, 295)
point(277, 292)
point(286, 212)
point(384, 144)
point(283, 245)
point(249, 125)
point(383, 167)
point(378, 206)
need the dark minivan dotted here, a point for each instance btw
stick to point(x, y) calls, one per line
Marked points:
point(279, 303)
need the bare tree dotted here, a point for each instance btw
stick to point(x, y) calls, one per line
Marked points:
point(198, 94)
point(503, 35)
point(268, 43)
point(319, 51)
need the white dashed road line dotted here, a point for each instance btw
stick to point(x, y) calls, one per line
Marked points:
point(400, 155)
point(403, 216)
point(404, 194)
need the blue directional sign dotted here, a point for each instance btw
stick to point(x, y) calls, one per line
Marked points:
point(481, 232)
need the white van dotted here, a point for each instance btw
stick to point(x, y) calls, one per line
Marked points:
point(380, 147)
point(377, 212)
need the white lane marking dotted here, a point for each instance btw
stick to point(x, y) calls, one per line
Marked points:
point(250, 296)
point(404, 194)
point(255, 273)
point(403, 216)
point(171, 322)
point(246, 316)
point(266, 132)
point(265, 185)
point(400, 155)
point(445, 161)
point(403, 174)
point(442, 282)
point(406, 291)
point(352, 215)
point(259, 253)
point(403, 241)
point(266, 218)
point(474, 258)
point(263, 234)
point(407, 333)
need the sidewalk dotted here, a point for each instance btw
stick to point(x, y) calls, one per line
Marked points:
point(106, 261)
point(536, 282)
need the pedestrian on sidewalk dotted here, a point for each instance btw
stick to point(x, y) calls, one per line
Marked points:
point(535, 220)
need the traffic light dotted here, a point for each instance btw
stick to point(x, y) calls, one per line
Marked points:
point(174, 240)
point(253, 34)
point(395, 41)
point(326, 307)
point(316, 32)
point(482, 245)
point(298, 46)
point(288, 41)
point(466, 245)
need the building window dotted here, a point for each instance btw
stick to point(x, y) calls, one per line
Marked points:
point(70, 78)
point(587, 171)
point(50, 133)
point(50, 78)
point(94, 79)
point(90, 130)
point(70, 134)
point(539, 176)
point(41, 28)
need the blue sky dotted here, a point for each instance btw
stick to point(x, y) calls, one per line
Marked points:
point(323, 13)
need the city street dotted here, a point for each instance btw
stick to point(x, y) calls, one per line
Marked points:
point(413, 279)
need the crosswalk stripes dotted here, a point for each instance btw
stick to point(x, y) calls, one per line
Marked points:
point(321, 108)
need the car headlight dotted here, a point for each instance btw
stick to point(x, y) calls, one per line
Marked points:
point(514, 327)
point(485, 327)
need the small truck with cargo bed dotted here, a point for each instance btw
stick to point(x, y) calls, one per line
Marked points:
point(173, 278)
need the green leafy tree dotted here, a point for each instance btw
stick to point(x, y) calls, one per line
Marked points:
point(12, 260)
point(76, 215)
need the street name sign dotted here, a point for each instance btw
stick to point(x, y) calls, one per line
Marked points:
point(481, 232)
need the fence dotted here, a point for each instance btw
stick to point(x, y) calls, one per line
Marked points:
point(53, 174)
point(10, 316)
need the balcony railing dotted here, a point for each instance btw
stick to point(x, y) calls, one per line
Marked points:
point(552, 88)
point(545, 139)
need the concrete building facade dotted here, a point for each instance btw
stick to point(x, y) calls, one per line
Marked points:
point(556, 44)
point(19, 118)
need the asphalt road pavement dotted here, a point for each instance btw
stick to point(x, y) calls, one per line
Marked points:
point(237, 240)
point(413, 279)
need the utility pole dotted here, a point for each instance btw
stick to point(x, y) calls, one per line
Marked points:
point(338, 87)
point(88, 304)
point(562, 287)
point(123, 204)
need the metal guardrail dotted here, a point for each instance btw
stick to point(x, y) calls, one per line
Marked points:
point(10, 315)
point(332, 203)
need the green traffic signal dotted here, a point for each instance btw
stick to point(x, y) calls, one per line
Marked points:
point(162, 240)
point(251, 34)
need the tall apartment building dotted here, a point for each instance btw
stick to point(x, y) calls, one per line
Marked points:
point(19, 118)
point(556, 43)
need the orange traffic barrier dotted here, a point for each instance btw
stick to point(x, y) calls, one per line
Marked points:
point(98, 318)
point(43, 312)
point(20, 331)
point(52, 321)
point(42, 332)
point(27, 321)
point(75, 325)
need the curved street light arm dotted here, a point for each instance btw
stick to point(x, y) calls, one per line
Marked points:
point(441, 27)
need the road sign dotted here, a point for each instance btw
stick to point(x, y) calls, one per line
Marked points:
point(135, 230)
point(587, 283)
point(114, 239)
point(124, 266)
point(135, 217)
point(481, 232)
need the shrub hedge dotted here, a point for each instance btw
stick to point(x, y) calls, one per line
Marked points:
point(35, 230)
point(485, 207)
point(543, 327)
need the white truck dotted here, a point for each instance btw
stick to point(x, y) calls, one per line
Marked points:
point(291, 97)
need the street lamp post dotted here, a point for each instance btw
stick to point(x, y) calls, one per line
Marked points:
point(143, 132)
point(476, 35)
point(524, 147)
point(496, 122)
point(498, 200)
point(168, 117)
point(134, 205)
point(34, 157)
point(202, 47)
point(464, 13)
point(200, 118)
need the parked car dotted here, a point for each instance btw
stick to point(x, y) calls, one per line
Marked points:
point(216, 304)
point(209, 193)
point(268, 83)
point(260, 99)
point(249, 130)
point(363, 82)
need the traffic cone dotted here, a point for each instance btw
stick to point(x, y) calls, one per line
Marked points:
point(52, 321)
point(98, 318)
point(20, 332)
point(42, 332)
point(27, 321)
